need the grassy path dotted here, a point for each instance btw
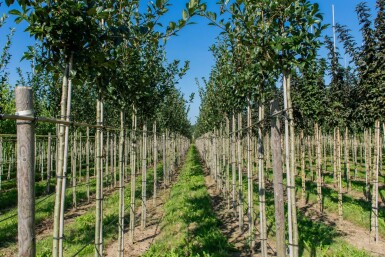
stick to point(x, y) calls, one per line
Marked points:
point(189, 227)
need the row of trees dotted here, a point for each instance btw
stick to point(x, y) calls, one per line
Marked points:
point(111, 52)
point(269, 42)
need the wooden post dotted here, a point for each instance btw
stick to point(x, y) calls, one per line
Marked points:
point(279, 202)
point(25, 173)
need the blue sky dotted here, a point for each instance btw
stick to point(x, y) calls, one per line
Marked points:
point(192, 43)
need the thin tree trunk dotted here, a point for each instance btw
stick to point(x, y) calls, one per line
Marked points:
point(338, 166)
point(121, 186)
point(65, 162)
point(240, 194)
point(144, 177)
point(374, 214)
point(303, 174)
point(347, 161)
point(155, 154)
point(262, 189)
point(249, 177)
point(80, 151)
point(99, 180)
point(233, 163)
point(59, 166)
point(73, 159)
point(88, 163)
point(319, 167)
point(48, 163)
point(133, 178)
point(164, 159)
point(290, 185)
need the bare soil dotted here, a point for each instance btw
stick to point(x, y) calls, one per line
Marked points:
point(230, 227)
point(144, 237)
point(354, 235)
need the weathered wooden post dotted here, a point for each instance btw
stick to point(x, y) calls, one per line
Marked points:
point(25, 172)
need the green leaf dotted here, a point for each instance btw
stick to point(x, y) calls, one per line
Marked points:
point(185, 15)
point(15, 12)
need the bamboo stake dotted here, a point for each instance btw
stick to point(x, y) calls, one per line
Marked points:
point(121, 186)
point(240, 194)
point(144, 177)
point(262, 189)
point(374, 216)
point(48, 162)
point(155, 164)
point(88, 163)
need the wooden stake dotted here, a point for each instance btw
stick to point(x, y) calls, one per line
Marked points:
point(25, 173)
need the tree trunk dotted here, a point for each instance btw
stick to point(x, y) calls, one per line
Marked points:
point(73, 159)
point(88, 163)
point(133, 177)
point(249, 176)
point(289, 171)
point(121, 186)
point(240, 194)
point(233, 162)
point(155, 154)
point(144, 177)
point(262, 189)
point(347, 161)
point(59, 166)
point(303, 174)
point(49, 144)
point(65, 162)
point(338, 166)
point(279, 202)
point(99, 181)
point(318, 134)
point(374, 214)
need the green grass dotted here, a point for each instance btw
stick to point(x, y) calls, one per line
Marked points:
point(81, 231)
point(315, 238)
point(44, 210)
point(189, 227)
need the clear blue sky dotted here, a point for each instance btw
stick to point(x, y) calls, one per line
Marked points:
point(192, 43)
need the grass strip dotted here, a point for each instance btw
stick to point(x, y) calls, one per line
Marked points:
point(190, 227)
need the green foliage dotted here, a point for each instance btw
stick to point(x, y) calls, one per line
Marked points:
point(368, 60)
point(309, 95)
